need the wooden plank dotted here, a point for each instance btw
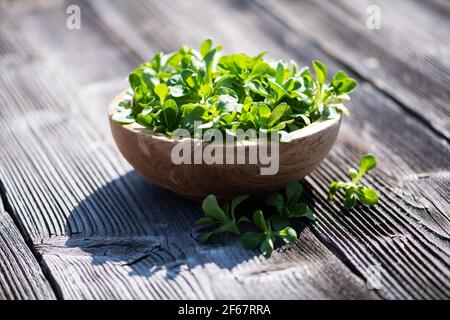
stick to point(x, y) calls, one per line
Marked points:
point(21, 276)
point(408, 58)
point(407, 233)
point(102, 230)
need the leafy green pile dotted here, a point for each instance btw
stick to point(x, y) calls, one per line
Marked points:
point(230, 92)
point(354, 190)
point(223, 219)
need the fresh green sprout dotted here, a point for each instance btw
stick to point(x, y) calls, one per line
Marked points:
point(225, 220)
point(354, 190)
point(222, 217)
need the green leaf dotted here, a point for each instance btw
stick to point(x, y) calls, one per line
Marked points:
point(147, 120)
point(353, 173)
point(230, 227)
point(212, 209)
point(311, 215)
point(294, 189)
point(300, 210)
point(336, 186)
point(279, 223)
point(205, 47)
point(275, 200)
point(347, 86)
point(169, 113)
point(278, 89)
point(227, 91)
point(205, 237)
point(204, 220)
point(209, 64)
point(150, 78)
point(279, 76)
point(123, 117)
point(342, 83)
point(266, 247)
point(368, 196)
point(162, 91)
point(263, 111)
point(258, 219)
point(288, 234)
point(321, 71)
point(252, 240)
point(189, 78)
point(236, 63)
point(236, 201)
point(135, 81)
point(261, 116)
point(177, 91)
point(156, 61)
point(243, 219)
point(341, 75)
point(350, 199)
point(279, 126)
point(367, 163)
point(340, 108)
point(301, 117)
point(259, 69)
point(206, 91)
point(257, 87)
point(277, 113)
point(227, 103)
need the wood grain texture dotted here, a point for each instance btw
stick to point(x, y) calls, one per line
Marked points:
point(125, 238)
point(408, 58)
point(103, 231)
point(21, 276)
point(406, 235)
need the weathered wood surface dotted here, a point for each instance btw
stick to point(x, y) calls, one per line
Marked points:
point(21, 276)
point(105, 232)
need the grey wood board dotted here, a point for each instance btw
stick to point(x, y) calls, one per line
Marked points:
point(102, 230)
point(21, 276)
point(84, 209)
point(415, 175)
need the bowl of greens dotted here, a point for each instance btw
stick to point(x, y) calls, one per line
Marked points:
point(198, 123)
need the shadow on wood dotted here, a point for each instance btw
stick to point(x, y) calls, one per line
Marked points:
point(135, 223)
point(133, 239)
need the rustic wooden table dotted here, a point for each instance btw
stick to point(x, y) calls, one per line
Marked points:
point(76, 222)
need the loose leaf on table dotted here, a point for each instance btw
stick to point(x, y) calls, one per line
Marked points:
point(223, 218)
point(354, 190)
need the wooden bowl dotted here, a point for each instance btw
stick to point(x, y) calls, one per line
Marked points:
point(150, 154)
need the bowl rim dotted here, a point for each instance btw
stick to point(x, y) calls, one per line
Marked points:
point(308, 131)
